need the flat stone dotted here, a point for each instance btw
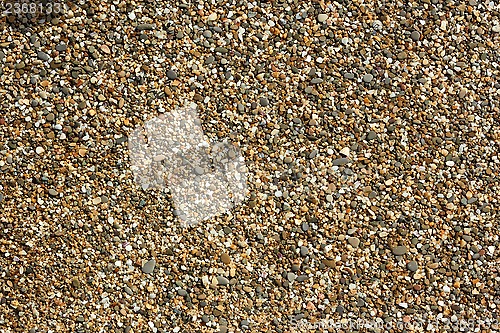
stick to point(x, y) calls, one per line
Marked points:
point(415, 36)
point(322, 18)
point(144, 26)
point(42, 56)
point(412, 266)
point(371, 135)
point(171, 74)
point(462, 93)
point(354, 241)
point(399, 250)
point(225, 258)
point(341, 161)
point(264, 101)
point(149, 266)
point(368, 78)
point(222, 280)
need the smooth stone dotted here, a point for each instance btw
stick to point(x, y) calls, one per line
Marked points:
point(412, 266)
point(53, 192)
point(304, 251)
point(368, 78)
point(171, 74)
point(264, 101)
point(371, 135)
point(43, 56)
point(182, 292)
point(341, 161)
point(222, 280)
point(225, 258)
point(354, 241)
point(61, 47)
point(462, 92)
point(415, 36)
point(322, 18)
point(291, 277)
point(149, 266)
point(399, 250)
point(144, 26)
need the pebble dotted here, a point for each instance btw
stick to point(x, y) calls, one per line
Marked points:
point(412, 266)
point(368, 78)
point(172, 74)
point(340, 161)
point(43, 56)
point(322, 18)
point(225, 258)
point(149, 266)
point(222, 280)
point(354, 241)
point(399, 250)
point(415, 36)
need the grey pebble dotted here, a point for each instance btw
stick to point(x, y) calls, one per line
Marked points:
point(264, 101)
point(368, 78)
point(304, 251)
point(415, 36)
point(149, 266)
point(291, 277)
point(340, 161)
point(144, 26)
point(42, 56)
point(61, 47)
point(371, 135)
point(171, 74)
point(412, 266)
point(399, 250)
point(222, 280)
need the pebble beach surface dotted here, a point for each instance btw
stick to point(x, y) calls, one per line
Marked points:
point(371, 133)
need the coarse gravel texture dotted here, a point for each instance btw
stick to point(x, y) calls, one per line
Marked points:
point(371, 131)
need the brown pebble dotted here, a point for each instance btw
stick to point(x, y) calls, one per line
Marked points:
point(225, 258)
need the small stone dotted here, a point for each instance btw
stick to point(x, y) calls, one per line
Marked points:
point(42, 56)
point(371, 135)
point(264, 101)
point(354, 241)
point(340, 161)
point(415, 36)
point(144, 26)
point(322, 18)
point(181, 292)
point(149, 266)
point(304, 251)
point(105, 49)
point(412, 266)
point(53, 192)
point(462, 93)
point(212, 17)
point(222, 280)
point(39, 150)
point(368, 78)
point(496, 28)
point(172, 75)
point(291, 277)
point(399, 250)
point(225, 258)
